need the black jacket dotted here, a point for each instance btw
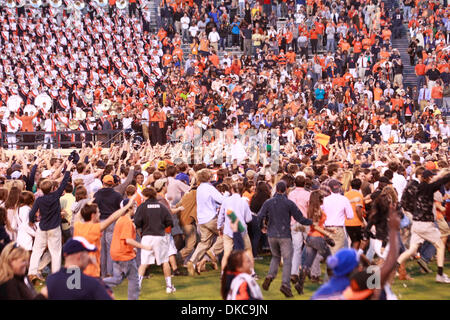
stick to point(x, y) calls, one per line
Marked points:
point(17, 289)
point(152, 217)
point(49, 207)
point(279, 210)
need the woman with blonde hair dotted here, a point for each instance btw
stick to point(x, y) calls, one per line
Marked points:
point(347, 177)
point(14, 283)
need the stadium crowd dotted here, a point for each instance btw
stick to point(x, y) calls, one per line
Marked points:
point(318, 148)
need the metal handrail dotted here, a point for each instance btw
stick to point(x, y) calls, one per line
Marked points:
point(56, 141)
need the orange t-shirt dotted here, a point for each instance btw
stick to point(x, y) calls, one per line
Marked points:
point(124, 229)
point(92, 233)
point(437, 92)
point(354, 195)
point(313, 232)
point(357, 46)
point(420, 69)
point(204, 44)
point(377, 94)
point(214, 60)
point(291, 56)
point(167, 59)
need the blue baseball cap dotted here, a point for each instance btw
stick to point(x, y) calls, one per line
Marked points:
point(78, 244)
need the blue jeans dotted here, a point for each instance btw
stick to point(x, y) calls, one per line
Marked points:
point(128, 270)
point(427, 251)
point(313, 246)
point(420, 82)
point(255, 234)
point(106, 264)
point(281, 247)
point(330, 45)
point(407, 12)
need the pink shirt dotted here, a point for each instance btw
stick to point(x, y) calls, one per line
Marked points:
point(301, 198)
point(337, 208)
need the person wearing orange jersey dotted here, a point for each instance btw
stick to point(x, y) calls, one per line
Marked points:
point(91, 229)
point(437, 93)
point(313, 38)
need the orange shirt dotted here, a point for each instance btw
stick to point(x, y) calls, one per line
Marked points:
point(320, 28)
point(354, 195)
point(289, 37)
point(291, 56)
point(166, 59)
point(357, 46)
point(420, 69)
point(437, 92)
point(313, 232)
point(345, 46)
point(27, 122)
point(179, 53)
point(92, 233)
point(366, 43)
point(123, 230)
point(214, 60)
point(204, 44)
point(377, 94)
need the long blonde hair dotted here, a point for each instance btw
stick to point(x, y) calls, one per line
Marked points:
point(346, 180)
point(10, 253)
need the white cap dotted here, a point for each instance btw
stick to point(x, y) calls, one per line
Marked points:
point(16, 175)
point(46, 173)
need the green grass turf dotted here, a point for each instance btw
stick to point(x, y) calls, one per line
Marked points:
point(207, 285)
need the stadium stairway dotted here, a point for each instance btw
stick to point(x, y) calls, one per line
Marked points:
point(409, 75)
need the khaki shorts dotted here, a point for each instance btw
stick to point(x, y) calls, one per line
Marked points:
point(160, 252)
point(424, 230)
point(443, 227)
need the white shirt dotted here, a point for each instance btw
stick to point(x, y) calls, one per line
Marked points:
point(146, 116)
point(208, 198)
point(399, 182)
point(185, 22)
point(214, 36)
point(12, 125)
point(337, 208)
point(240, 207)
point(25, 233)
point(385, 131)
point(127, 122)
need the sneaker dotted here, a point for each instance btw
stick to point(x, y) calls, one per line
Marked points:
point(316, 279)
point(294, 279)
point(191, 268)
point(255, 276)
point(286, 291)
point(299, 287)
point(170, 289)
point(258, 258)
point(422, 263)
point(442, 279)
point(267, 282)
